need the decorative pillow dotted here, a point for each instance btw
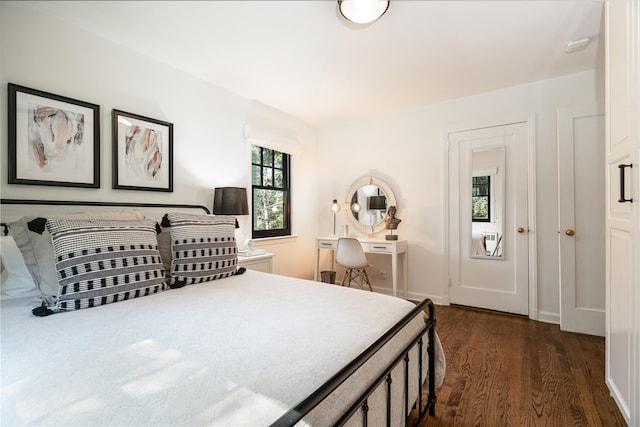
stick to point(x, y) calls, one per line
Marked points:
point(101, 261)
point(203, 248)
point(37, 249)
point(37, 253)
point(164, 246)
point(16, 279)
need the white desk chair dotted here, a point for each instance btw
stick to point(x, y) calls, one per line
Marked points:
point(350, 255)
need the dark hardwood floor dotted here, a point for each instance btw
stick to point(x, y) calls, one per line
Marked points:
point(505, 370)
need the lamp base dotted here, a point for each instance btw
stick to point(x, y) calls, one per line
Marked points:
point(391, 237)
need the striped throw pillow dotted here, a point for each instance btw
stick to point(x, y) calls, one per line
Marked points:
point(203, 248)
point(102, 261)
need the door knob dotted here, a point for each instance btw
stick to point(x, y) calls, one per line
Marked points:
point(569, 232)
point(520, 230)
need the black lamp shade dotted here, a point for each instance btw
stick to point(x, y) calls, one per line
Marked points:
point(377, 202)
point(230, 201)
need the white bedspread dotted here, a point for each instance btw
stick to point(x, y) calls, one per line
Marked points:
point(236, 351)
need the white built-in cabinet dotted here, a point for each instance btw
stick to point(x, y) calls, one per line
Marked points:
point(622, 215)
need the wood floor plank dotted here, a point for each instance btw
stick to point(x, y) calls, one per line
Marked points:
point(506, 370)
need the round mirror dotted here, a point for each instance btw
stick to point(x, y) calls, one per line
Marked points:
point(367, 201)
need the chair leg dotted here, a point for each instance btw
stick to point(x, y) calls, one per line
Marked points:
point(367, 277)
point(351, 275)
point(345, 276)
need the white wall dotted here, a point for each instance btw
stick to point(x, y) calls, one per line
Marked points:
point(406, 149)
point(43, 53)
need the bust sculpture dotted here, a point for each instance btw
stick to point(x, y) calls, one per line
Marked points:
point(391, 223)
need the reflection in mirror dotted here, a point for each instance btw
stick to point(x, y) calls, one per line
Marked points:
point(355, 206)
point(369, 205)
point(368, 198)
point(480, 198)
point(487, 203)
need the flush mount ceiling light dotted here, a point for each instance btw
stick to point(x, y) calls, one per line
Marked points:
point(363, 11)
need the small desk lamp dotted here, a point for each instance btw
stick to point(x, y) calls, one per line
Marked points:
point(335, 208)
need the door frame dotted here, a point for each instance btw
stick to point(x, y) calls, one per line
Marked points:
point(530, 121)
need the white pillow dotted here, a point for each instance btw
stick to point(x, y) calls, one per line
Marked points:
point(16, 279)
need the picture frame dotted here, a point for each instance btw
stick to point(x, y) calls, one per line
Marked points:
point(142, 152)
point(53, 140)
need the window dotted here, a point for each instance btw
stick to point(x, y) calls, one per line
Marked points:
point(270, 192)
point(481, 199)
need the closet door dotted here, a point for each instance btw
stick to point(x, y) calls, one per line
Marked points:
point(581, 220)
point(622, 253)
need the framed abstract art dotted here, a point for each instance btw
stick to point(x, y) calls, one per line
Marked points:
point(53, 140)
point(142, 153)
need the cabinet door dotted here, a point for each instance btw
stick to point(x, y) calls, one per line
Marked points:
point(621, 226)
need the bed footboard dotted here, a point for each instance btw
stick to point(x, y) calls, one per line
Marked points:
point(305, 406)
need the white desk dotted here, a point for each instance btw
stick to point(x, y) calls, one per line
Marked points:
point(394, 248)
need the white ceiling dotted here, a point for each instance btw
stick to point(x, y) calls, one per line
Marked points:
point(301, 57)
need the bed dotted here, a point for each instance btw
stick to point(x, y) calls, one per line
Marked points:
point(241, 349)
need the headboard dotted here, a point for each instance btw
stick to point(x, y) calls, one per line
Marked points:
point(14, 209)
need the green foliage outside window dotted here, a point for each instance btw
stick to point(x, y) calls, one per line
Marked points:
point(270, 182)
point(268, 206)
point(481, 198)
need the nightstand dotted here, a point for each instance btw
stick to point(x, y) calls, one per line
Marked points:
point(262, 262)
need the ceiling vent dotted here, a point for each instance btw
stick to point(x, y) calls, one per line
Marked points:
point(576, 45)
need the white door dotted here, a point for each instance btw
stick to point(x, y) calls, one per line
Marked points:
point(581, 220)
point(488, 230)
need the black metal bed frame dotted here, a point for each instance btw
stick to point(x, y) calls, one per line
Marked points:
point(305, 406)
point(87, 203)
point(112, 204)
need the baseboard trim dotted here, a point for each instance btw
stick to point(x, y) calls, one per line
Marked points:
point(540, 316)
point(414, 296)
point(545, 316)
point(418, 296)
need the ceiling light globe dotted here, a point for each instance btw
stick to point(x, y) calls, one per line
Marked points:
point(363, 11)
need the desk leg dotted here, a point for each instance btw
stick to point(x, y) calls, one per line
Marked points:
point(394, 272)
point(405, 273)
point(315, 273)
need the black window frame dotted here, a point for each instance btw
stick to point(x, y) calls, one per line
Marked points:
point(285, 189)
point(487, 196)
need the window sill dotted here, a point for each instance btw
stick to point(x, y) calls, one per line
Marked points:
point(266, 241)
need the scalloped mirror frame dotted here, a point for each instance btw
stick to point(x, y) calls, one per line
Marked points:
point(360, 182)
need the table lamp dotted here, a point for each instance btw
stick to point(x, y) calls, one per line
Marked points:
point(230, 201)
